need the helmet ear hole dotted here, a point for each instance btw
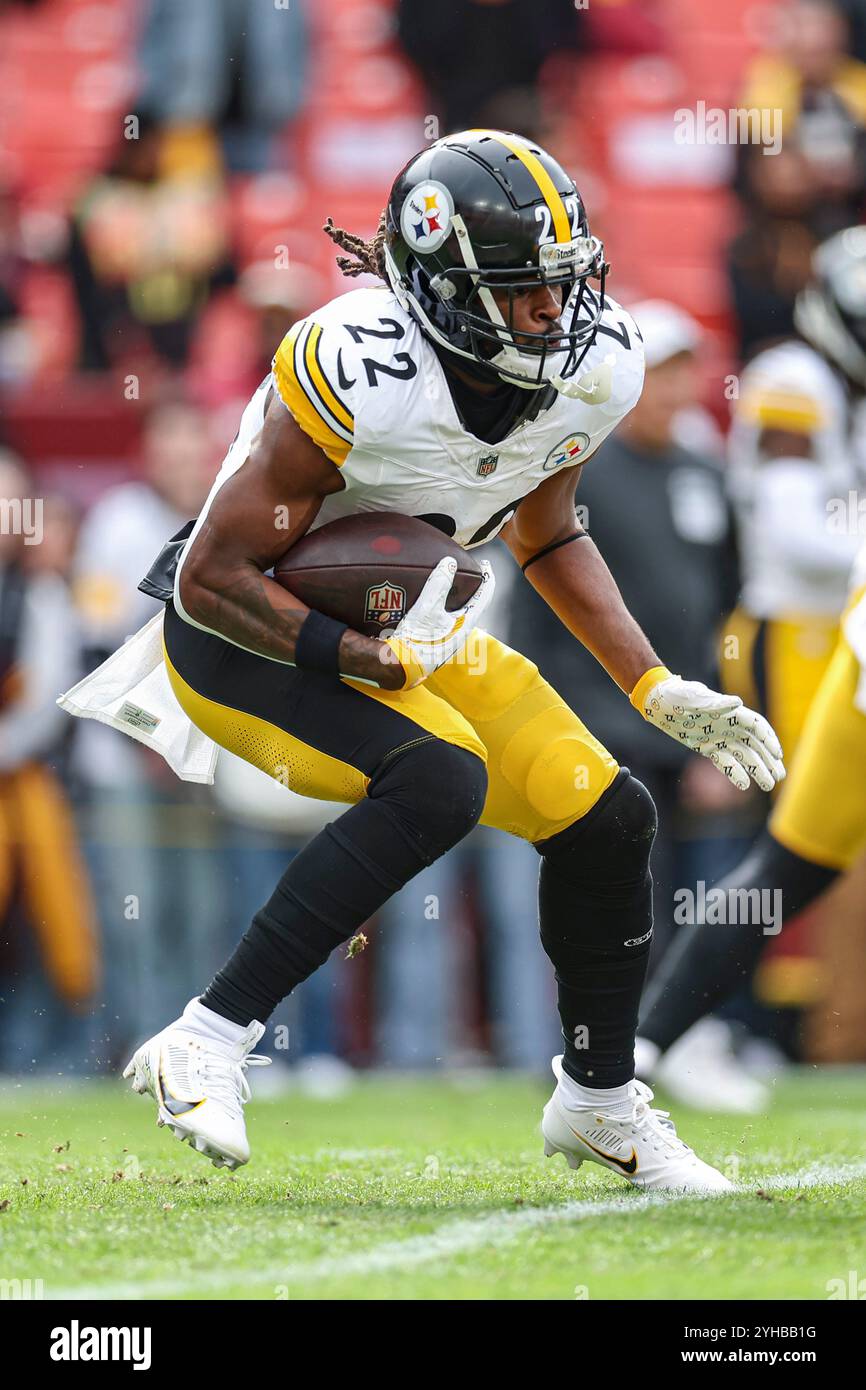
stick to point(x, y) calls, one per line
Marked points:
point(443, 287)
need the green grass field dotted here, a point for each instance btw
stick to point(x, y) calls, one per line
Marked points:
point(427, 1189)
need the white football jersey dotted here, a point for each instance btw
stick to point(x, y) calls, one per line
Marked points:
point(363, 382)
point(796, 548)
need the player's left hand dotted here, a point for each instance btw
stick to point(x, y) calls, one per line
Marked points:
point(431, 634)
point(739, 741)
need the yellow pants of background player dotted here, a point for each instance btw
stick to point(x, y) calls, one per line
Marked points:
point(325, 738)
point(821, 810)
point(777, 666)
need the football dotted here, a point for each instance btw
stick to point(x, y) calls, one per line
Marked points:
point(368, 570)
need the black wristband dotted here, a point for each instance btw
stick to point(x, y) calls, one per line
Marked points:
point(554, 545)
point(318, 644)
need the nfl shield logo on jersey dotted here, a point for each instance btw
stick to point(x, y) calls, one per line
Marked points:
point(386, 603)
point(487, 465)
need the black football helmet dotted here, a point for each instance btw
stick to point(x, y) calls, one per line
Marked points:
point(831, 311)
point(485, 210)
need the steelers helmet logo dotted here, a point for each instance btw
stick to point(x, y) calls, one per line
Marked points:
point(425, 220)
point(567, 451)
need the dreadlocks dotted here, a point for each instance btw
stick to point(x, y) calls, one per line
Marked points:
point(365, 257)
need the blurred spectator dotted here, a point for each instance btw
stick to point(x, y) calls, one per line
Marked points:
point(769, 259)
point(126, 528)
point(278, 296)
point(426, 981)
point(821, 92)
point(148, 242)
point(419, 1006)
point(265, 825)
point(855, 13)
point(241, 331)
point(623, 26)
point(153, 840)
point(49, 958)
point(60, 526)
point(15, 345)
point(816, 182)
point(238, 66)
point(481, 59)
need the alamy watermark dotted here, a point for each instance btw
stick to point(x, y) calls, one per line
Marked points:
point(22, 516)
point(759, 907)
point(17, 1290)
point(846, 516)
point(739, 125)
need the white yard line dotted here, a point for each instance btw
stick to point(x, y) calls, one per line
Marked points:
point(452, 1239)
point(816, 1175)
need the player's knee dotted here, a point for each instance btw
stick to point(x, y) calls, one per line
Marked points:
point(595, 886)
point(437, 789)
point(450, 788)
point(612, 843)
point(563, 778)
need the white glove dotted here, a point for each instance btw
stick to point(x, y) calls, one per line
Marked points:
point(738, 740)
point(430, 635)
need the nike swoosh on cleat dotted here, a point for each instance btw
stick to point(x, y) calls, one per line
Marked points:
point(625, 1165)
point(171, 1103)
point(181, 1107)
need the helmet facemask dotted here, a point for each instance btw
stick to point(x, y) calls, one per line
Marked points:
point(532, 359)
point(457, 306)
point(830, 313)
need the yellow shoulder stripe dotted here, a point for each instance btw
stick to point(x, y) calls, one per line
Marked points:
point(561, 221)
point(305, 391)
point(314, 367)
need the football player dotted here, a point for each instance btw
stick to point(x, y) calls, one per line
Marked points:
point(468, 389)
point(803, 416)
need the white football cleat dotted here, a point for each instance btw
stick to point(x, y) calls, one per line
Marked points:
point(642, 1145)
point(700, 1070)
point(200, 1088)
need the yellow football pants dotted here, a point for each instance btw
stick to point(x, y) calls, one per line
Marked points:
point(325, 738)
point(776, 666)
point(820, 813)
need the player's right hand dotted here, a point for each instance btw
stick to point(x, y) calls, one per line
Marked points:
point(429, 634)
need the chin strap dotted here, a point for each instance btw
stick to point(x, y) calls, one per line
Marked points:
point(594, 387)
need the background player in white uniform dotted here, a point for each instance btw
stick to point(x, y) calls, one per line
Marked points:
point(468, 392)
point(792, 459)
point(798, 444)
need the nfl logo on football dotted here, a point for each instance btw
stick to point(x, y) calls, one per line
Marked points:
point(386, 604)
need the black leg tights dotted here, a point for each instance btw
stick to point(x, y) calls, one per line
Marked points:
point(423, 800)
point(595, 902)
point(708, 962)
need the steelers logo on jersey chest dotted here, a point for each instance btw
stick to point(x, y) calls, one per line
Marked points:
point(567, 451)
point(425, 219)
point(385, 603)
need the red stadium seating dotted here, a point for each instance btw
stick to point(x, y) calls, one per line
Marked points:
point(665, 218)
